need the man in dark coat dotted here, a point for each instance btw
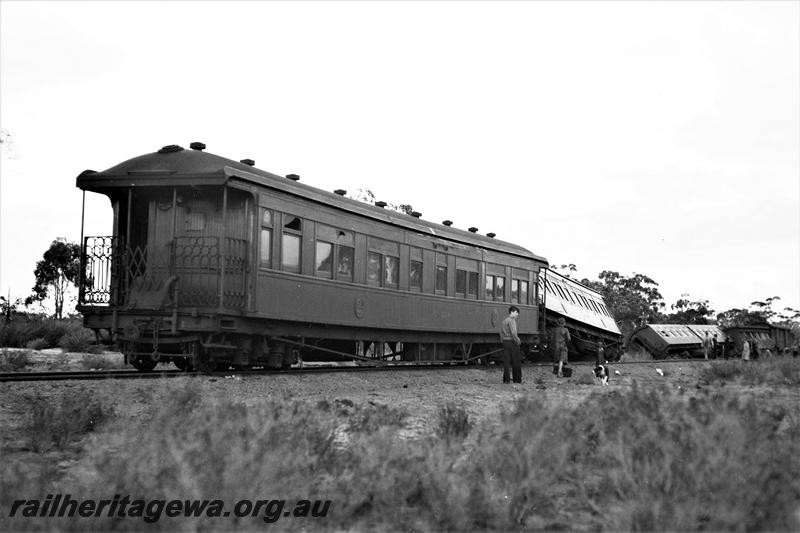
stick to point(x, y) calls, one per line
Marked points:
point(511, 353)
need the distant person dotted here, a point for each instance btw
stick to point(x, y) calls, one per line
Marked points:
point(746, 350)
point(601, 352)
point(511, 354)
point(560, 339)
point(727, 348)
point(706, 345)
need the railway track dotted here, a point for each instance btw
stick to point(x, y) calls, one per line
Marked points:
point(135, 374)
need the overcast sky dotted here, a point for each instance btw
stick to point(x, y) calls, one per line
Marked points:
point(654, 137)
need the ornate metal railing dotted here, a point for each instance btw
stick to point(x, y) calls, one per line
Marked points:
point(187, 268)
point(99, 282)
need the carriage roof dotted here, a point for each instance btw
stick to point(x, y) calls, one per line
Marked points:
point(174, 166)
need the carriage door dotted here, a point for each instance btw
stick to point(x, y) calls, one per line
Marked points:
point(237, 237)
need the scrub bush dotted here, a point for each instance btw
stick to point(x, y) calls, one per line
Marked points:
point(55, 422)
point(12, 361)
point(453, 422)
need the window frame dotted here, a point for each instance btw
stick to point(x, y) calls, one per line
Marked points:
point(265, 226)
point(292, 233)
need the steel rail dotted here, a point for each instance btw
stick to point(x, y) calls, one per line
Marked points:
point(134, 374)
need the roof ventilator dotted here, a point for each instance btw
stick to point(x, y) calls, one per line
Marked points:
point(170, 148)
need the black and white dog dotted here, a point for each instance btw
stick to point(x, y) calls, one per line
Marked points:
point(601, 374)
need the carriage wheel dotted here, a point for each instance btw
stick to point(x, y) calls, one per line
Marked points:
point(189, 351)
point(143, 363)
point(204, 362)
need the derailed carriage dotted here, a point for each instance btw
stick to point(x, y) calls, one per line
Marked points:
point(585, 314)
point(213, 262)
point(676, 340)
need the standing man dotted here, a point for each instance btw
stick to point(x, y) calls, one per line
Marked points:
point(706, 345)
point(511, 342)
point(601, 351)
point(560, 339)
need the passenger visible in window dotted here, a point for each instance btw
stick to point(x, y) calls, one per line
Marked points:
point(374, 268)
point(391, 271)
point(345, 267)
point(415, 275)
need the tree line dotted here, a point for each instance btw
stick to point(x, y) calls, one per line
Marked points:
point(635, 300)
point(632, 300)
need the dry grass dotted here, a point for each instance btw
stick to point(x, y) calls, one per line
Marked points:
point(778, 370)
point(621, 460)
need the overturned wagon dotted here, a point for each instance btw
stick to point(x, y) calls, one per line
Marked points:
point(673, 340)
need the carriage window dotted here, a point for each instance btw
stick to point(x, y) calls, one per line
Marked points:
point(291, 252)
point(415, 276)
point(391, 271)
point(461, 282)
point(499, 288)
point(290, 244)
point(324, 264)
point(495, 286)
point(549, 287)
point(572, 296)
point(266, 246)
point(472, 284)
point(441, 279)
point(519, 291)
point(344, 270)
point(265, 255)
point(373, 268)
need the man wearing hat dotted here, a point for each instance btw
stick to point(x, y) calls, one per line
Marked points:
point(560, 339)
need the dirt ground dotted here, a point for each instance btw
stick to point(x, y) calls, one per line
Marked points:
point(479, 390)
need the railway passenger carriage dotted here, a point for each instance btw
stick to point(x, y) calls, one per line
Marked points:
point(213, 262)
point(584, 312)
